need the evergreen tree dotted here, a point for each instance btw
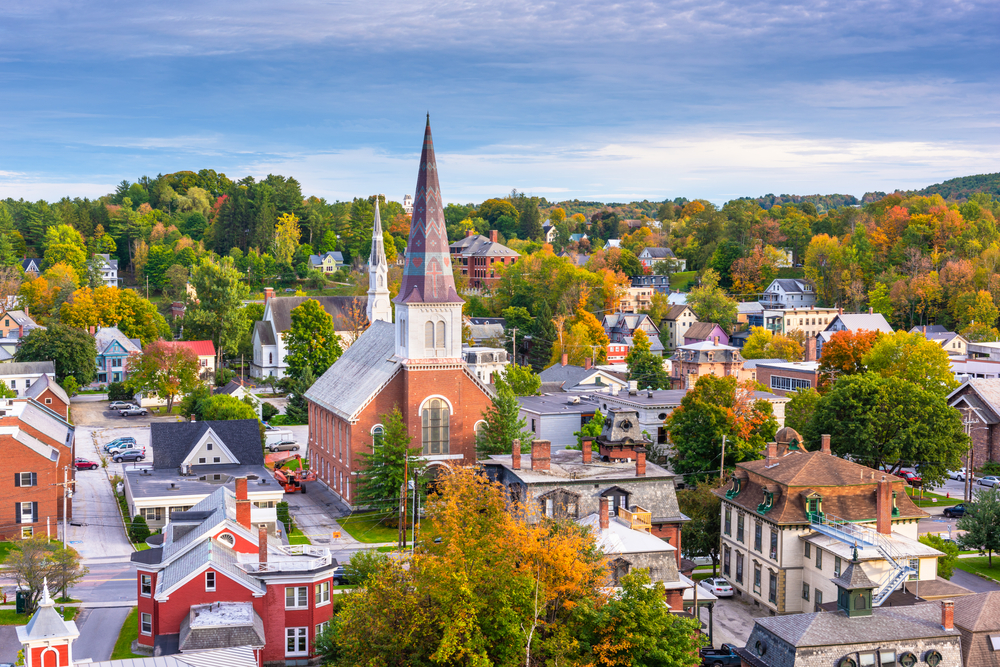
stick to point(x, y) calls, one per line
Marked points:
point(502, 425)
point(297, 409)
point(390, 463)
point(644, 366)
point(980, 523)
point(531, 221)
point(543, 337)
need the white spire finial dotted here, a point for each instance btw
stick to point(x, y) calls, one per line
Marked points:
point(46, 598)
point(378, 275)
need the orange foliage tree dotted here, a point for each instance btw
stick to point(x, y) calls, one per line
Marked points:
point(843, 354)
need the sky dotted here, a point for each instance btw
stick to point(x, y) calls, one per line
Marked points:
point(606, 101)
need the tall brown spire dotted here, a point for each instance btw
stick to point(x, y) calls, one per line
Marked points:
point(427, 276)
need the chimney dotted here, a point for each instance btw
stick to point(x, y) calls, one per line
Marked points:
point(824, 443)
point(192, 418)
point(715, 340)
point(871, 311)
point(587, 451)
point(640, 463)
point(565, 359)
point(93, 330)
point(883, 506)
point(810, 351)
point(771, 455)
point(840, 310)
point(925, 331)
point(262, 544)
point(268, 294)
point(493, 235)
point(948, 614)
point(515, 455)
point(540, 454)
point(587, 363)
point(605, 519)
point(470, 232)
point(242, 503)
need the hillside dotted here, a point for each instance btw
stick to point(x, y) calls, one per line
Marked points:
point(962, 187)
point(822, 203)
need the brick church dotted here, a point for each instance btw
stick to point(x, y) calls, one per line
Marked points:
point(413, 363)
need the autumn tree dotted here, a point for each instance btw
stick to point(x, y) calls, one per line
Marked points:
point(911, 357)
point(311, 340)
point(710, 303)
point(286, 238)
point(843, 353)
point(165, 369)
point(113, 307)
point(645, 367)
point(63, 244)
point(765, 344)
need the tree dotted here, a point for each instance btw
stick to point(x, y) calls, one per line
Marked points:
point(800, 409)
point(63, 244)
point(591, 430)
point(219, 313)
point(980, 523)
point(911, 357)
point(764, 344)
point(158, 261)
point(503, 425)
point(702, 535)
point(223, 407)
point(392, 461)
point(710, 303)
point(113, 307)
point(890, 422)
point(311, 340)
point(521, 380)
point(946, 563)
point(645, 367)
point(73, 351)
point(286, 238)
point(717, 407)
point(165, 369)
point(297, 408)
point(543, 337)
point(843, 354)
point(138, 529)
point(33, 560)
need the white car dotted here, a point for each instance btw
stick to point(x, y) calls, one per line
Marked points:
point(717, 586)
point(957, 474)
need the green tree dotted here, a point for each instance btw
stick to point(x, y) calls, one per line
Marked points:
point(702, 535)
point(392, 461)
point(521, 380)
point(710, 303)
point(219, 314)
point(138, 529)
point(543, 337)
point(7, 392)
point(591, 430)
point(946, 563)
point(800, 409)
point(158, 261)
point(223, 407)
point(891, 422)
point(64, 244)
point(164, 369)
point(503, 425)
point(31, 561)
point(364, 565)
point(311, 340)
point(193, 403)
point(297, 409)
point(980, 523)
point(645, 367)
point(717, 407)
point(73, 351)
point(911, 357)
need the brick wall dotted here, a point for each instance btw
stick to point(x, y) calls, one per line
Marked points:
point(48, 473)
point(764, 377)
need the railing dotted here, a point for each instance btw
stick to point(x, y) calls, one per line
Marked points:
point(637, 518)
point(283, 565)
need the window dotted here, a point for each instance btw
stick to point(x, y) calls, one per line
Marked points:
point(806, 550)
point(915, 566)
point(756, 579)
point(726, 552)
point(836, 566)
point(296, 596)
point(210, 581)
point(48, 401)
point(805, 591)
point(739, 568)
point(439, 339)
point(13, 384)
point(26, 479)
point(202, 460)
point(772, 586)
point(729, 521)
point(429, 334)
point(216, 459)
point(867, 659)
point(296, 641)
point(435, 421)
point(788, 384)
point(322, 593)
point(774, 544)
point(28, 512)
point(818, 597)
point(27, 532)
point(819, 559)
point(739, 528)
point(208, 446)
point(146, 623)
point(321, 628)
point(116, 363)
point(887, 657)
point(146, 585)
point(267, 504)
point(377, 434)
point(758, 531)
point(151, 513)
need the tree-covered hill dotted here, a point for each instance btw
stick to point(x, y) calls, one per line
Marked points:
point(962, 187)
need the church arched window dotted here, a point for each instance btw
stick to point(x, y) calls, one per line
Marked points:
point(428, 334)
point(435, 422)
point(377, 434)
point(440, 335)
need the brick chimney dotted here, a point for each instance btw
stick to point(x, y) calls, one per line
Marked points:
point(587, 451)
point(810, 348)
point(470, 232)
point(540, 454)
point(948, 614)
point(640, 463)
point(192, 418)
point(604, 518)
point(493, 235)
point(771, 455)
point(824, 443)
point(840, 310)
point(242, 503)
point(925, 331)
point(883, 506)
point(268, 294)
point(587, 363)
point(262, 544)
point(93, 330)
point(715, 340)
point(515, 455)
point(871, 311)
point(565, 359)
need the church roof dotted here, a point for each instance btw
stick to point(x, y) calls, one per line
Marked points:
point(346, 387)
point(338, 307)
point(427, 276)
point(47, 623)
point(377, 256)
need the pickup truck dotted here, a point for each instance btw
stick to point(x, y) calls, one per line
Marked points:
point(714, 657)
point(126, 447)
point(133, 412)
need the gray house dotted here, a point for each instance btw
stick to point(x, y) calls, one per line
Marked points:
point(556, 417)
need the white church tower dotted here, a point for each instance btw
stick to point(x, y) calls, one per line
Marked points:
point(379, 307)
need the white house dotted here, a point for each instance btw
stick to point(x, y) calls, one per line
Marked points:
point(108, 268)
point(788, 293)
point(19, 375)
point(486, 362)
point(869, 321)
point(650, 256)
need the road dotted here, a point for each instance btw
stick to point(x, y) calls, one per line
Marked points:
point(99, 630)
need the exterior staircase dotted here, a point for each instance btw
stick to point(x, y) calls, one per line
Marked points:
point(865, 536)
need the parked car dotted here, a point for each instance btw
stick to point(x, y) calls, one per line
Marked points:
point(286, 446)
point(126, 447)
point(700, 561)
point(339, 576)
point(956, 512)
point(130, 456)
point(84, 464)
point(990, 480)
point(957, 474)
point(134, 411)
point(119, 441)
point(719, 657)
point(911, 477)
point(118, 405)
point(717, 586)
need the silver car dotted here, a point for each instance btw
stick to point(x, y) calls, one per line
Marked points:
point(990, 480)
point(286, 446)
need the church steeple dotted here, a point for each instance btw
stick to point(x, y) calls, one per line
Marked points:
point(379, 307)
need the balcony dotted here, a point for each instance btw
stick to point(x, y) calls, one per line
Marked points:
point(637, 518)
point(293, 561)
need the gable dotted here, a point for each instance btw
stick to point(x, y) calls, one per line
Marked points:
point(210, 447)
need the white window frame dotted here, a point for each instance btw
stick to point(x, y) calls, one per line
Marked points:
point(27, 532)
point(146, 585)
point(320, 627)
point(299, 597)
point(210, 580)
point(30, 514)
point(22, 474)
point(322, 593)
point(146, 621)
point(298, 637)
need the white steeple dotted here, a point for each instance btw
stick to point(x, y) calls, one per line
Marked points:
point(379, 307)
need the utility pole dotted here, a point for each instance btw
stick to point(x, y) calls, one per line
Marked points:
point(402, 500)
point(722, 463)
point(67, 494)
point(968, 422)
point(513, 345)
point(413, 535)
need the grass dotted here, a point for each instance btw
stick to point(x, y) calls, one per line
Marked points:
point(5, 548)
point(981, 565)
point(283, 420)
point(11, 617)
point(370, 528)
point(680, 280)
point(129, 633)
point(931, 499)
point(347, 587)
point(385, 550)
point(141, 546)
point(698, 576)
point(298, 537)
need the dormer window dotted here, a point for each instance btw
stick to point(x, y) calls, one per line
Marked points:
point(814, 507)
point(768, 503)
point(735, 491)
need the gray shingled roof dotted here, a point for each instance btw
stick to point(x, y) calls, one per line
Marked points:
point(43, 383)
point(195, 638)
point(337, 307)
point(792, 285)
point(569, 375)
point(213, 508)
point(658, 253)
point(264, 332)
point(172, 441)
point(21, 317)
point(362, 369)
point(28, 368)
point(854, 577)
point(107, 335)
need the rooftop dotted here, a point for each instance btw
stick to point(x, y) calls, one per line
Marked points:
point(568, 464)
point(173, 441)
point(27, 368)
point(562, 403)
point(168, 482)
point(620, 538)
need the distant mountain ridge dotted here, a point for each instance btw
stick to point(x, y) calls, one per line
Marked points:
point(963, 186)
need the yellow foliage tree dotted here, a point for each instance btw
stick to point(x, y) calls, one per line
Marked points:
point(286, 237)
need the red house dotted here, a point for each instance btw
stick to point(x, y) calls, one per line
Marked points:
point(220, 582)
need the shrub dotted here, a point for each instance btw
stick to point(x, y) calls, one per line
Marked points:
point(117, 391)
point(990, 468)
point(139, 530)
point(364, 564)
point(223, 376)
point(71, 386)
point(268, 411)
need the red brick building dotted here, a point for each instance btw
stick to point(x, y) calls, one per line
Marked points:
point(219, 582)
point(479, 256)
point(38, 445)
point(45, 391)
point(414, 364)
point(979, 402)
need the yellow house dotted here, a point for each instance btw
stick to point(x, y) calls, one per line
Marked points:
point(328, 262)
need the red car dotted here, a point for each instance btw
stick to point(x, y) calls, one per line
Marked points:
point(911, 477)
point(84, 464)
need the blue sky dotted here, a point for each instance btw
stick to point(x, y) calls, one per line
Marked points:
point(614, 102)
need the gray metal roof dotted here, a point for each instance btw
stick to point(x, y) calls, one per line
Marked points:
point(47, 422)
point(336, 307)
point(264, 333)
point(172, 442)
point(214, 507)
point(562, 403)
point(43, 383)
point(361, 371)
point(105, 336)
point(20, 317)
point(28, 368)
point(206, 552)
point(242, 656)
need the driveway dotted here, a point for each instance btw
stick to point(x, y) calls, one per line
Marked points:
point(99, 630)
point(733, 620)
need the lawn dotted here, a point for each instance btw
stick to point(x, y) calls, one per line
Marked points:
point(11, 617)
point(930, 499)
point(5, 548)
point(128, 634)
point(680, 280)
point(370, 528)
point(298, 537)
point(981, 565)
